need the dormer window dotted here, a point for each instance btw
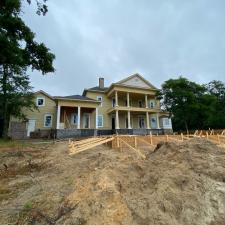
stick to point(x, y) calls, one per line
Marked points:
point(40, 101)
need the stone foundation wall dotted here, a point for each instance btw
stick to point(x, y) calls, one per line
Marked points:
point(73, 133)
point(43, 134)
point(168, 131)
point(76, 133)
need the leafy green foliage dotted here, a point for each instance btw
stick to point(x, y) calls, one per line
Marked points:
point(19, 52)
point(194, 106)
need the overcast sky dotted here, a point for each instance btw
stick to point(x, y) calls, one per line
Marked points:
point(113, 39)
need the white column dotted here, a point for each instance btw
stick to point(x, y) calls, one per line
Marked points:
point(78, 117)
point(58, 117)
point(157, 116)
point(128, 118)
point(96, 118)
point(116, 98)
point(146, 101)
point(128, 99)
point(117, 120)
point(147, 120)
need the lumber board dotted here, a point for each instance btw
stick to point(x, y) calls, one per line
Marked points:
point(91, 146)
point(89, 142)
point(78, 146)
point(140, 139)
point(136, 150)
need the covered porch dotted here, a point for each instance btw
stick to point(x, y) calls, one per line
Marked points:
point(76, 113)
point(77, 118)
point(140, 122)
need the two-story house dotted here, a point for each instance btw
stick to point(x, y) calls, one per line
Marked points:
point(125, 107)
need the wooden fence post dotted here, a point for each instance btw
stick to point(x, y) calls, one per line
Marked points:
point(117, 142)
point(151, 139)
point(135, 142)
point(182, 136)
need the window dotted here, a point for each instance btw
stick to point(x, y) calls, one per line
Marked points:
point(140, 104)
point(40, 101)
point(113, 102)
point(152, 104)
point(100, 120)
point(99, 98)
point(74, 119)
point(48, 120)
point(166, 121)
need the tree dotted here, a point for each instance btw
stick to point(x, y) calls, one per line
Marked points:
point(19, 52)
point(217, 90)
point(184, 100)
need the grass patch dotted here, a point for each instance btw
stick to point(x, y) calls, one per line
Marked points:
point(14, 143)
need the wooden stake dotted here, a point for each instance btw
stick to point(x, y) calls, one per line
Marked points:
point(182, 137)
point(151, 139)
point(135, 142)
point(136, 150)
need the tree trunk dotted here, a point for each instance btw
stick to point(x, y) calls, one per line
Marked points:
point(5, 103)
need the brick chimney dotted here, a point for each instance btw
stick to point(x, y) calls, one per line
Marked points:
point(101, 82)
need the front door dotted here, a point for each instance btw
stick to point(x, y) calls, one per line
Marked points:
point(86, 120)
point(113, 123)
point(141, 122)
point(30, 127)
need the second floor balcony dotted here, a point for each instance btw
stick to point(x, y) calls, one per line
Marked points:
point(134, 102)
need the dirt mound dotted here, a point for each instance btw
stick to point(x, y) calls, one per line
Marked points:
point(179, 183)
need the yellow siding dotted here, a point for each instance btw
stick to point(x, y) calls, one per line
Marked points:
point(38, 115)
point(102, 110)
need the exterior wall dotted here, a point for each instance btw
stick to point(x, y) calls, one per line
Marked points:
point(102, 110)
point(37, 115)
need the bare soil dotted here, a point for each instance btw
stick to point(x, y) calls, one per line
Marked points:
point(179, 183)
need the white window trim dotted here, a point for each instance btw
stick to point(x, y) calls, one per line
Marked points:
point(43, 101)
point(102, 120)
point(72, 118)
point(100, 98)
point(154, 103)
point(48, 114)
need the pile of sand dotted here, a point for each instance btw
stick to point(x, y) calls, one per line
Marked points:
point(177, 184)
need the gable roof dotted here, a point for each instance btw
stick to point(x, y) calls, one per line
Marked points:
point(44, 93)
point(129, 81)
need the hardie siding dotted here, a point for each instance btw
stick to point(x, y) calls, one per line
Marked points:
point(38, 115)
point(106, 104)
